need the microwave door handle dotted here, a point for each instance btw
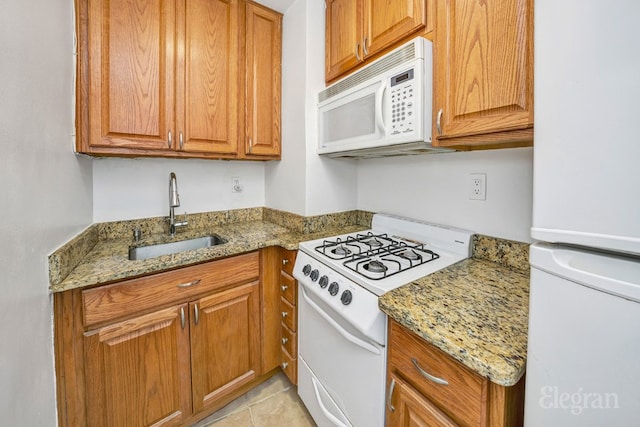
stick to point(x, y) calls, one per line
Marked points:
point(379, 113)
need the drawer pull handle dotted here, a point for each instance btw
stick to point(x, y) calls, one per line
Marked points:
point(196, 313)
point(285, 340)
point(186, 285)
point(284, 288)
point(428, 375)
point(284, 314)
point(182, 317)
point(439, 122)
point(390, 395)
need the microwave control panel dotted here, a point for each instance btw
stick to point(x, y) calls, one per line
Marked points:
point(403, 97)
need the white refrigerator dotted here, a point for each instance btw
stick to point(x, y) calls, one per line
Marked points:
point(583, 361)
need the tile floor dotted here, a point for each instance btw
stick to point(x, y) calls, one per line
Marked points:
point(274, 403)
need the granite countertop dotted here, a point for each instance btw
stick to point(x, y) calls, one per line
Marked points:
point(108, 260)
point(476, 311)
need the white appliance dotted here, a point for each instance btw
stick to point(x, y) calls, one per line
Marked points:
point(584, 334)
point(342, 335)
point(381, 109)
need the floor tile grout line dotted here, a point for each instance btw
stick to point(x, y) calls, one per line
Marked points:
point(250, 404)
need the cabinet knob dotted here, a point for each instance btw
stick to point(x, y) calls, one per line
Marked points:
point(284, 365)
point(284, 288)
point(284, 314)
point(285, 261)
point(285, 340)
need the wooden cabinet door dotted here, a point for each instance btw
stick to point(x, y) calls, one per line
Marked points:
point(130, 81)
point(344, 36)
point(207, 76)
point(387, 22)
point(138, 371)
point(411, 409)
point(263, 74)
point(483, 68)
point(225, 343)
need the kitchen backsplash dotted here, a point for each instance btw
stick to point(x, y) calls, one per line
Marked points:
point(505, 252)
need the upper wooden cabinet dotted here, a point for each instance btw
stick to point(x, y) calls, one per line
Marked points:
point(358, 31)
point(263, 87)
point(483, 73)
point(164, 78)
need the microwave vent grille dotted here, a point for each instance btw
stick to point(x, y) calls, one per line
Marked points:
point(400, 56)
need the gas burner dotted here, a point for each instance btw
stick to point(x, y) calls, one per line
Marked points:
point(373, 242)
point(410, 254)
point(375, 266)
point(341, 251)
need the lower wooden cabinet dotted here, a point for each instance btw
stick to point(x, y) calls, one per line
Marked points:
point(138, 371)
point(426, 387)
point(410, 408)
point(225, 343)
point(289, 317)
point(160, 350)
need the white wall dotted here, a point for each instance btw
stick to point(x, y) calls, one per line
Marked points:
point(46, 197)
point(285, 181)
point(435, 188)
point(139, 188)
point(331, 183)
point(304, 182)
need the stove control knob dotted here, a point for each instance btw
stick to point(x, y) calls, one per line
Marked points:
point(346, 297)
point(314, 275)
point(333, 289)
point(306, 269)
point(324, 281)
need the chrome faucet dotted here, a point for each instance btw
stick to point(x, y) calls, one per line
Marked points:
point(174, 202)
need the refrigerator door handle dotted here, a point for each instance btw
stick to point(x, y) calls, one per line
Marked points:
point(613, 274)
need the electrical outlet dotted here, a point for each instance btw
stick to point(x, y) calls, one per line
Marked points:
point(236, 187)
point(478, 186)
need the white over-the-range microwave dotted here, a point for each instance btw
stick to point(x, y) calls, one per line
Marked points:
point(383, 109)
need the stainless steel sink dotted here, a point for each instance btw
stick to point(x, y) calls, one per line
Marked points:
point(150, 251)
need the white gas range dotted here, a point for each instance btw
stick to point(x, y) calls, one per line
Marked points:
point(342, 333)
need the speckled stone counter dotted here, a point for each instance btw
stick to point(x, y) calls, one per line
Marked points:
point(100, 254)
point(476, 311)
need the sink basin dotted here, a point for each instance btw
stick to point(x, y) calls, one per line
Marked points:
point(150, 251)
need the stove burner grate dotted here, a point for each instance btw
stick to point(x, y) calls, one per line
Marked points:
point(381, 263)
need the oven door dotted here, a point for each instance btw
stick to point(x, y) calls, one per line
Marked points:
point(341, 373)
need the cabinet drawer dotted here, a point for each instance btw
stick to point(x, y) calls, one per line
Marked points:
point(114, 301)
point(290, 366)
point(288, 313)
point(289, 340)
point(412, 358)
point(289, 288)
point(288, 259)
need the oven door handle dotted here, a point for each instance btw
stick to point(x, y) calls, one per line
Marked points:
point(323, 408)
point(350, 337)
